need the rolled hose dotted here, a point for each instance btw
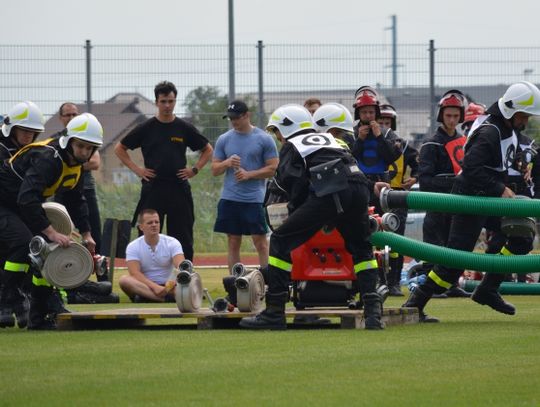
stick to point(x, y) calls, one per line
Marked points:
point(492, 263)
point(464, 204)
point(506, 288)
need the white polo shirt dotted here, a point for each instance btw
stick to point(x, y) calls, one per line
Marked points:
point(156, 264)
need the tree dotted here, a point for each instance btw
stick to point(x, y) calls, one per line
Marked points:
point(206, 105)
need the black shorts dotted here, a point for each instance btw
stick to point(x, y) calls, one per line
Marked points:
point(240, 218)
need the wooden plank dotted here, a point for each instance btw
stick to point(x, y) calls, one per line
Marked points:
point(207, 319)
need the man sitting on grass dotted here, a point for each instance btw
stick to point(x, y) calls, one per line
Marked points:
point(150, 262)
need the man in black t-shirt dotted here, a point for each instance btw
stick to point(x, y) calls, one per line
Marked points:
point(163, 140)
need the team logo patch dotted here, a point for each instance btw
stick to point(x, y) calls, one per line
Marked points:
point(316, 140)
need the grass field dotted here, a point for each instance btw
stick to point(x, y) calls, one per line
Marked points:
point(475, 357)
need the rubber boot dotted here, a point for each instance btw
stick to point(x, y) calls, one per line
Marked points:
point(457, 292)
point(39, 316)
point(55, 304)
point(8, 289)
point(486, 293)
point(273, 317)
point(394, 289)
point(418, 299)
point(373, 311)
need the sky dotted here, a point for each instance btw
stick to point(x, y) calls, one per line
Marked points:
point(456, 23)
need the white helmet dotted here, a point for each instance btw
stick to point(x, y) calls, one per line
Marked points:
point(84, 127)
point(333, 116)
point(24, 114)
point(290, 120)
point(520, 97)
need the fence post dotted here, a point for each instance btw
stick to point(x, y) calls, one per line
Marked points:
point(232, 86)
point(260, 114)
point(88, 47)
point(432, 103)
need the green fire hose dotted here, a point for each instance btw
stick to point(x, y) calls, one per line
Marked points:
point(492, 263)
point(465, 204)
point(507, 288)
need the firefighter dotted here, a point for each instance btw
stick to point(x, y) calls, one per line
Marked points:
point(36, 172)
point(473, 111)
point(439, 163)
point(21, 127)
point(375, 148)
point(408, 160)
point(489, 153)
point(324, 185)
point(524, 180)
point(334, 118)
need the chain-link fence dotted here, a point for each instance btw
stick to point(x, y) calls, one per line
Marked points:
point(116, 83)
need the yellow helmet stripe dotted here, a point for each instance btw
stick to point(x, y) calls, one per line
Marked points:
point(528, 102)
point(22, 116)
point(82, 127)
point(339, 119)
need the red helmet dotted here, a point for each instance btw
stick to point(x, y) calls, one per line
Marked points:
point(452, 98)
point(366, 96)
point(473, 111)
point(389, 111)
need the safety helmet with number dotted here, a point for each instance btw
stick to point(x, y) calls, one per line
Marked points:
point(26, 115)
point(366, 96)
point(390, 112)
point(452, 98)
point(291, 119)
point(520, 97)
point(85, 127)
point(333, 116)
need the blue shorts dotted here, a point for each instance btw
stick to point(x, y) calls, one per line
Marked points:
point(240, 218)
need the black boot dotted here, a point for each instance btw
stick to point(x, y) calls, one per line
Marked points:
point(394, 289)
point(457, 292)
point(418, 299)
point(9, 293)
point(487, 294)
point(373, 311)
point(273, 317)
point(39, 316)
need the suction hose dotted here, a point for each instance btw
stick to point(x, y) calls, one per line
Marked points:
point(507, 288)
point(492, 263)
point(465, 204)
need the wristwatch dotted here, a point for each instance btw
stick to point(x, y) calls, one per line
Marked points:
point(195, 170)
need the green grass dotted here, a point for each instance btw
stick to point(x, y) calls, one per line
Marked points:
point(475, 357)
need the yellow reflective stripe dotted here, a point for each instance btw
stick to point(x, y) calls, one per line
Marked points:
point(40, 281)
point(16, 267)
point(82, 127)
point(505, 252)
point(528, 102)
point(394, 255)
point(440, 282)
point(366, 265)
point(63, 294)
point(280, 264)
point(24, 115)
point(306, 125)
point(339, 119)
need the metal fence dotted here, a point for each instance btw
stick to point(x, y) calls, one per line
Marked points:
point(267, 74)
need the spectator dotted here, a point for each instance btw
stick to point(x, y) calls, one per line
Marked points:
point(312, 104)
point(247, 156)
point(151, 259)
point(66, 112)
point(163, 141)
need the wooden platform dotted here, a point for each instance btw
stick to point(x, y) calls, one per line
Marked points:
point(207, 319)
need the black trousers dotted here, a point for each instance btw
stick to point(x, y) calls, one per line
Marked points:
point(176, 202)
point(309, 218)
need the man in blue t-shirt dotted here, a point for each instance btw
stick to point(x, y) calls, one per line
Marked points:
point(247, 156)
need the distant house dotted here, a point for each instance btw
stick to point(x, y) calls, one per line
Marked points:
point(118, 116)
